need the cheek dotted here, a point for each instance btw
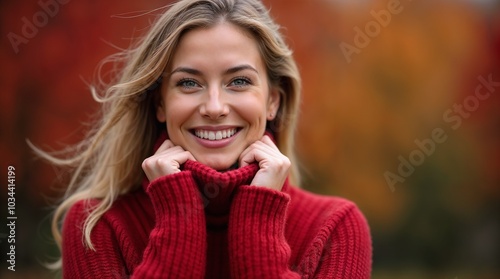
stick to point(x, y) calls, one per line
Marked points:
point(177, 111)
point(253, 111)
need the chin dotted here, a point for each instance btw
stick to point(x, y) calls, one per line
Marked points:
point(218, 164)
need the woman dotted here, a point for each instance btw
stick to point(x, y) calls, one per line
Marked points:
point(206, 103)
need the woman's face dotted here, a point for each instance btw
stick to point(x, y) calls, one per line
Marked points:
point(215, 96)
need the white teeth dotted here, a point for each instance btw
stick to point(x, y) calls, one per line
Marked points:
point(215, 135)
point(211, 135)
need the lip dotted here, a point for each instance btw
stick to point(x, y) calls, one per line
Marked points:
point(215, 128)
point(215, 143)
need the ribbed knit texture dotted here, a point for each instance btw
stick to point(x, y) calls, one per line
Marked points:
point(200, 223)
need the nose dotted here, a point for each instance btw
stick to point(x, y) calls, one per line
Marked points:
point(214, 106)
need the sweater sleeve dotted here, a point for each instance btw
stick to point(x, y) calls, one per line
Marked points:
point(176, 247)
point(342, 249)
point(258, 248)
point(257, 245)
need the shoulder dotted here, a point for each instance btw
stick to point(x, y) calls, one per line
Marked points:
point(329, 231)
point(120, 211)
point(325, 213)
point(78, 213)
point(332, 206)
point(114, 243)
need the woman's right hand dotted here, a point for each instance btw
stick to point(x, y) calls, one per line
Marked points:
point(167, 160)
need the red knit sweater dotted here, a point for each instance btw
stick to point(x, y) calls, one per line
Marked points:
point(200, 223)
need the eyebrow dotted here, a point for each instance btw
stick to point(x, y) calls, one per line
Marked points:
point(240, 68)
point(231, 70)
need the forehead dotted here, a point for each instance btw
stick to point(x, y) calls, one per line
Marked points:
point(221, 45)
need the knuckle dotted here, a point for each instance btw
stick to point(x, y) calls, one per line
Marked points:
point(167, 142)
point(146, 163)
point(177, 148)
point(161, 162)
point(285, 163)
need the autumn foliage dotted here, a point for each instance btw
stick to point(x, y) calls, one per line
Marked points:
point(363, 108)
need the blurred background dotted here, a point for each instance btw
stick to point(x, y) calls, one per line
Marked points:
point(397, 115)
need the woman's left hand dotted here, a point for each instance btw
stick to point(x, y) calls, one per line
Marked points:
point(274, 166)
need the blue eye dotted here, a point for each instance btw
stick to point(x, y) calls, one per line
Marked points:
point(240, 82)
point(187, 83)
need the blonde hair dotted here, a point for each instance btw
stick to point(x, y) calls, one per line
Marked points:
point(108, 162)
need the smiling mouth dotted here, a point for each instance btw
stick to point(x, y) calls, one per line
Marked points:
point(215, 135)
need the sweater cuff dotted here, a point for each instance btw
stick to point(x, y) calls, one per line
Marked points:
point(256, 233)
point(259, 205)
point(177, 243)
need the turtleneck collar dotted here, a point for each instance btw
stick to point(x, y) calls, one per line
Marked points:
point(217, 188)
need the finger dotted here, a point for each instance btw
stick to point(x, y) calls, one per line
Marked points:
point(245, 157)
point(268, 141)
point(175, 149)
point(244, 154)
point(184, 156)
point(269, 147)
point(166, 163)
point(167, 144)
point(176, 154)
point(169, 152)
point(265, 147)
point(258, 153)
